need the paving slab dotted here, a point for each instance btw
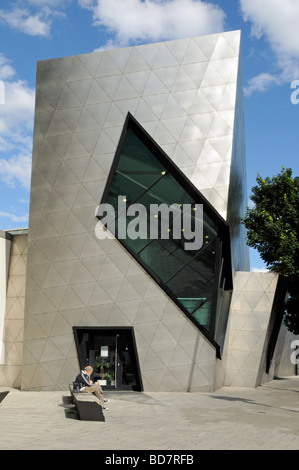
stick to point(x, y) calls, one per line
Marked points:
point(231, 418)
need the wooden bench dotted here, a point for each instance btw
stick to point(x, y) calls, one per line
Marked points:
point(3, 395)
point(87, 405)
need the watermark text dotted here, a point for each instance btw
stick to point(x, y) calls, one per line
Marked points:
point(178, 221)
point(295, 354)
point(295, 94)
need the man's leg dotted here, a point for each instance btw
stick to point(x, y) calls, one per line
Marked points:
point(96, 389)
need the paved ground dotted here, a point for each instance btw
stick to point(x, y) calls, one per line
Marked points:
point(230, 418)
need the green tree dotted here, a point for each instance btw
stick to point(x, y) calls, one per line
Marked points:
point(273, 229)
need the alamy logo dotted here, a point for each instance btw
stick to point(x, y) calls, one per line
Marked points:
point(180, 221)
point(295, 354)
point(2, 92)
point(295, 94)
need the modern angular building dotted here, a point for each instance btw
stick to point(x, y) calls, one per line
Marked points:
point(158, 125)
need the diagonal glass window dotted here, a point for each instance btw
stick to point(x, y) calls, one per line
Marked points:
point(152, 201)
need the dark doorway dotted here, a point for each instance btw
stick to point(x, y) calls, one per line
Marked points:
point(113, 355)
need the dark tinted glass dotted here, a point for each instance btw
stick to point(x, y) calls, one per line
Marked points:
point(188, 275)
point(137, 164)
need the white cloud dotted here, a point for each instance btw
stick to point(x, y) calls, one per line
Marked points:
point(18, 108)
point(277, 22)
point(16, 123)
point(23, 21)
point(14, 218)
point(260, 270)
point(34, 17)
point(6, 70)
point(275, 19)
point(261, 82)
point(16, 170)
point(153, 20)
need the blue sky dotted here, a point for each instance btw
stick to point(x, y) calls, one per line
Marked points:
point(32, 30)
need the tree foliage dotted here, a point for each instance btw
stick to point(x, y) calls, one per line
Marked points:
point(273, 229)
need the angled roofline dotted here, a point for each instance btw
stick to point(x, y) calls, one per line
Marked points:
point(131, 122)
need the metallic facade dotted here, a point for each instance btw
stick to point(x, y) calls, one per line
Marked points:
point(187, 96)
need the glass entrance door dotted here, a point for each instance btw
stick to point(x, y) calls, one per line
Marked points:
point(104, 361)
point(112, 354)
point(126, 365)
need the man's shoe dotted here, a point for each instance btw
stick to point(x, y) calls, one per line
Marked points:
point(106, 400)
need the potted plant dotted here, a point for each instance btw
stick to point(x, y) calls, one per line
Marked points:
point(109, 373)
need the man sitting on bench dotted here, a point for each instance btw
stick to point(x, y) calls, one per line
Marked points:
point(87, 386)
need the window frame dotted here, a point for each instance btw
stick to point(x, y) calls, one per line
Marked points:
point(223, 237)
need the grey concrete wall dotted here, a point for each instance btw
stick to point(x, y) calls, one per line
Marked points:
point(249, 331)
point(5, 242)
point(13, 325)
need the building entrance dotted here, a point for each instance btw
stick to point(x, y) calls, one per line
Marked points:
point(112, 354)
